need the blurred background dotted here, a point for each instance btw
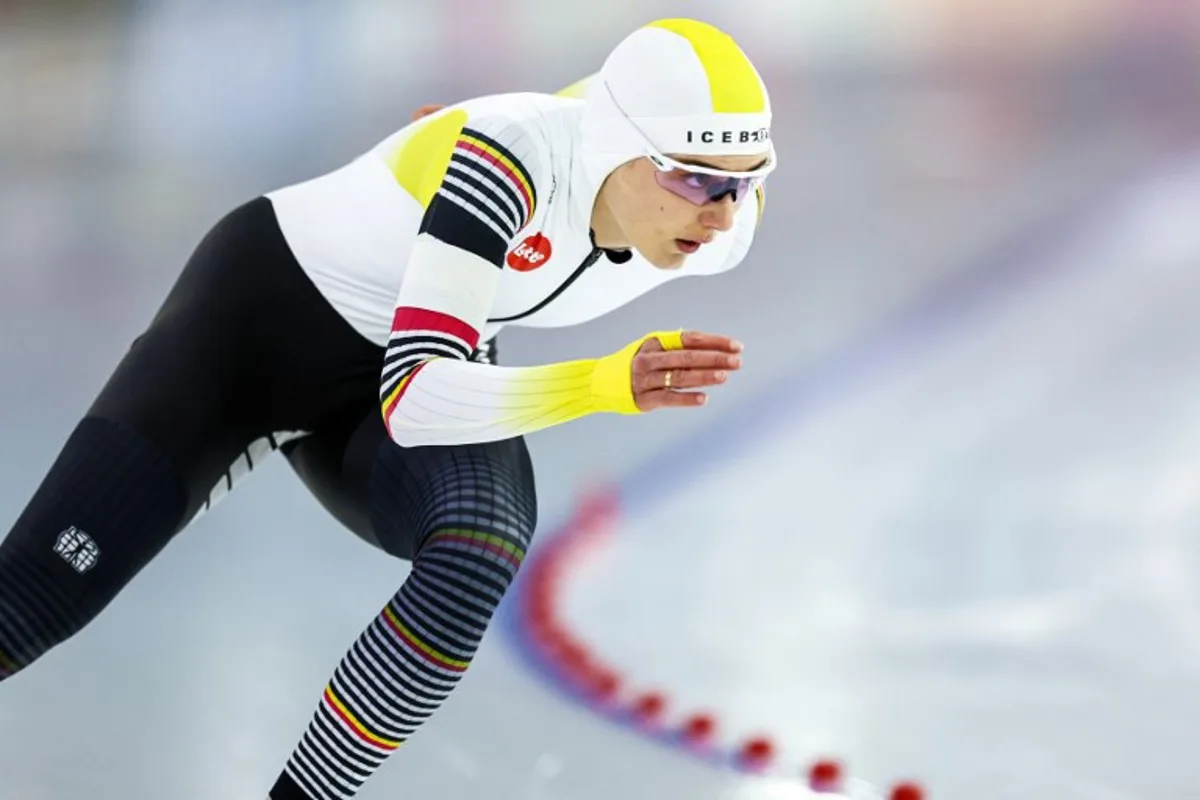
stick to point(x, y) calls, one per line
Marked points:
point(943, 524)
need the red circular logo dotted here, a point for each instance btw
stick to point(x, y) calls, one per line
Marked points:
point(530, 254)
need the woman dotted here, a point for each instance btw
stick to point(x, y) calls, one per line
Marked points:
point(350, 321)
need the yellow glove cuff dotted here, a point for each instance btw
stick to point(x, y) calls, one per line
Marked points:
point(612, 379)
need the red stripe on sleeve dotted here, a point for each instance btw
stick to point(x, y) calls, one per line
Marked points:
point(420, 319)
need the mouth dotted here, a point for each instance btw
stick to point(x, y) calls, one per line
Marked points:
point(688, 246)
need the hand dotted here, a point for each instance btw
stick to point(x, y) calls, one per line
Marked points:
point(660, 376)
point(426, 110)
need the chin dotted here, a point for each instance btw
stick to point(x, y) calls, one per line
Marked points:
point(666, 259)
point(666, 256)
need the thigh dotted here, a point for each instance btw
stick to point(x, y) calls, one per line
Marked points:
point(485, 489)
point(242, 348)
point(395, 497)
point(243, 354)
point(168, 423)
point(335, 462)
point(183, 413)
point(181, 385)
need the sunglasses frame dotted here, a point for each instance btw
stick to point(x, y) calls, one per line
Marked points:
point(664, 163)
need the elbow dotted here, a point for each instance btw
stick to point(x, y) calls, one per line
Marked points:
point(404, 434)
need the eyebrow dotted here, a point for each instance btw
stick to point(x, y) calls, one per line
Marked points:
point(696, 162)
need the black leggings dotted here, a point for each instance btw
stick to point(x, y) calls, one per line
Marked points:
point(243, 358)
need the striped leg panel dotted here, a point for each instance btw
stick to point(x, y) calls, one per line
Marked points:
point(405, 664)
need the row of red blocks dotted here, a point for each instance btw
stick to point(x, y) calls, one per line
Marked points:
point(602, 684)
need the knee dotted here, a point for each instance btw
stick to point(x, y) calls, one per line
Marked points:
point(109, 502)
point(37, 611)
point(483, 528)
point(485, 488)
point(487, 560)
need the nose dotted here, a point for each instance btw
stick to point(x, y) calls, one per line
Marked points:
point(719, 215)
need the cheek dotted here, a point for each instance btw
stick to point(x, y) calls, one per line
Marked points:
point(649, 209)
point(654, 211)
point(640, 202)
point(675, 212)
point(654, 202)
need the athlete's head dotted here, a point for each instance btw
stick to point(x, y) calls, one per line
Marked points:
point(676, 131)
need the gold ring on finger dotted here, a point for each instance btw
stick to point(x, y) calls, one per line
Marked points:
point(667, 380)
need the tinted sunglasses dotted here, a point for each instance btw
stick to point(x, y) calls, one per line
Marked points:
point(701, 185)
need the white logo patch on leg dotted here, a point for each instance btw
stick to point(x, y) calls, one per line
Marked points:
point(77, 549)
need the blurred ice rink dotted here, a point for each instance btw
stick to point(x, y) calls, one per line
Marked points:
point(971, 559)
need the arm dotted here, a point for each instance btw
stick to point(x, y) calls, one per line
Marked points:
point(430, 393)
point(454, 401)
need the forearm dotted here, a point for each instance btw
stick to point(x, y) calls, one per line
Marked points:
point(449, 401)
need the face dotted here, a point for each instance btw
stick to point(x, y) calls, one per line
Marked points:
point(662, 226)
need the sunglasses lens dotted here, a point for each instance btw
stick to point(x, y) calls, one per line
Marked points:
point(701, 188)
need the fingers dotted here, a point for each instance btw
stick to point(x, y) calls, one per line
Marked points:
point(678, 379)
point(668, 398)
point(685, 359)
point(695, 340)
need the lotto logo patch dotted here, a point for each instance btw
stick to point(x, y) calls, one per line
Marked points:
point(530, 254)
point(77, 549)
